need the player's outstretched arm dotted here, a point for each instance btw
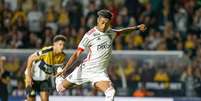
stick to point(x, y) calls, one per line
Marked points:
point(140, 27)
point(73, 58)
point(30, 60)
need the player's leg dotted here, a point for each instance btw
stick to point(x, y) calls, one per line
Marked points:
point(62, 84)
point(44, 96)
point(72, 79)
point(31, 93)
point(43, 87)
point(30, 98)
point(107, 88)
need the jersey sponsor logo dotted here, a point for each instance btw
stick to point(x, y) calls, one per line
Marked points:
point(104, 45)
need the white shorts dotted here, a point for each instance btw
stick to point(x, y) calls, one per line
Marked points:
point(80, 76)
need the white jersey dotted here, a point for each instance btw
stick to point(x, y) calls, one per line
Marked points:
point(99, 45)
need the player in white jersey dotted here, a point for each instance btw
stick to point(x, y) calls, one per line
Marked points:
point(98, 41)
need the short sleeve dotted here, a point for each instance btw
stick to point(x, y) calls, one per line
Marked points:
point(84, 43)
point(44, 51)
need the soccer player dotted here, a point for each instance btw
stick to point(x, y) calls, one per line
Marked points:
point(41, 65)
point(98, 41)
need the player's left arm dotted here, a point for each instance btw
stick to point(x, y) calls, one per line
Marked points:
point(140, 27)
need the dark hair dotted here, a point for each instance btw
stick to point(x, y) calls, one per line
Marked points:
point(59, 37)
point(105, 13)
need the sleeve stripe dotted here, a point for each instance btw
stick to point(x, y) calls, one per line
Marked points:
point(47, 50)
point(81, 49)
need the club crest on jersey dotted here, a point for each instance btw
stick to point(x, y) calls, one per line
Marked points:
point(104, 45)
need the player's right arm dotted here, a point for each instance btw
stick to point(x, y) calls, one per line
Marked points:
point(84, 43)
point(73, 58)
point(28, 75)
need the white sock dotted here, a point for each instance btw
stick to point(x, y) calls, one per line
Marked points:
point(109, 94)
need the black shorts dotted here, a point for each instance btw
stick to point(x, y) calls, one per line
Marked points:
point(38, 86)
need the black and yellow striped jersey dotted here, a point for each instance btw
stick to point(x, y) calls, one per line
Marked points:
point(46, 54)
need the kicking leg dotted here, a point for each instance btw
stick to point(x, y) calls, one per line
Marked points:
point(62, 84)
point(107, 88)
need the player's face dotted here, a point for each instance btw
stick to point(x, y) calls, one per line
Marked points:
point(59, 46)
point(103, 23)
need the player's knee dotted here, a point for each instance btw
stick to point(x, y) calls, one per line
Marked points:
point(110, 92)
point(44, 95)
point(44, 99)
point(60, 88)
point(30, 98)
point(59, 85)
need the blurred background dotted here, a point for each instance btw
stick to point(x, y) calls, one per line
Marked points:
point(164, 61)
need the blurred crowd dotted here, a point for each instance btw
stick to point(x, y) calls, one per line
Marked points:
point(172, 25)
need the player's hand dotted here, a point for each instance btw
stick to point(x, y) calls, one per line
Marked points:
point(59, 74)
point(28, 81)
point(142, 27)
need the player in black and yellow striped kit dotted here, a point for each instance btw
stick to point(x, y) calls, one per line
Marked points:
point(42, 64)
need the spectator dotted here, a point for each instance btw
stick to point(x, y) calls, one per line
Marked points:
point(4, 80)
point(142, 92)
point(63, 19)
point(34, 41)
point(197, 20)
point(12, 4)
point(181, 18)
point(91, 15)
point(188, 79)
point(198, 82)
point(190, 46)
point(35, 19)
point(2, 41)
point(152, 40)
point(19, 14)
point(27, 5)
point(75, 12)
point(148, 71)
point(127, 69)
point(48, 36)
point(20, 90)
point(51, 15)
point(137, 41)
point(161, 76)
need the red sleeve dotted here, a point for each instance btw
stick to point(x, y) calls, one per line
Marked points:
point(81, 49)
